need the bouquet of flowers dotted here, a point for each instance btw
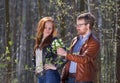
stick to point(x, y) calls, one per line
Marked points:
point(57, 43)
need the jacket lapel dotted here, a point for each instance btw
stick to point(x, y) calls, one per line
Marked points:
point(84, 46)
point(73, 42)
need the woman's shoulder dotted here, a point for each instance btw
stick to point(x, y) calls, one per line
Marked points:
point(54, 38)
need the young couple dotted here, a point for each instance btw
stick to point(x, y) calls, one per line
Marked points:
point(80, 65)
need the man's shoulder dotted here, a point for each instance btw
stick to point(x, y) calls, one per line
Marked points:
point(94, 39)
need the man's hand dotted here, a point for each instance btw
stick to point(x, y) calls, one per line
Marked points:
point(61, 52)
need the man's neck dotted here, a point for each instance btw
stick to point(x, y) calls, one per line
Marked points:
point(83, 36)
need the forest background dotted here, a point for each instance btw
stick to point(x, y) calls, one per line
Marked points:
point(18, 22)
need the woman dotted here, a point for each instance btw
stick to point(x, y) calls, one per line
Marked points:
point(47, 62)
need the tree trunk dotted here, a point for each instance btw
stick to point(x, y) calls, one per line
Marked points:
point(9, 64)
point(118, 41)
point(8, 47)
point(2, 40)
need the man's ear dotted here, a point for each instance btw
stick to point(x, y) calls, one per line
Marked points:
point(88, 26)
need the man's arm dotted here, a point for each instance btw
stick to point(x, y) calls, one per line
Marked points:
point(88, 55)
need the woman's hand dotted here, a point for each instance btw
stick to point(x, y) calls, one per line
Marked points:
point(49, 66)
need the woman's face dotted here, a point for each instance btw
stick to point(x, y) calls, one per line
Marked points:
point(48, 29)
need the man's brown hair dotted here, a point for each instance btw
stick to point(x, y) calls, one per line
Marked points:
point(88, 17)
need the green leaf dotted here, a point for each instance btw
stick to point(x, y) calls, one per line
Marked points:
point(8, 58)
point(10, 43)
point(16, 61)
point(26, 67)
point(7, 50)
point(2, 65)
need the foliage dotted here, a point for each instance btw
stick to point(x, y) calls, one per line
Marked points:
point(22, 23)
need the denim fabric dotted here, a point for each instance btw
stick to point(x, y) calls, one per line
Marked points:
point(72, 80)
point(40, 79)
point(50, 76)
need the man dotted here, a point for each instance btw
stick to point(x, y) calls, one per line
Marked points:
point(80, 67)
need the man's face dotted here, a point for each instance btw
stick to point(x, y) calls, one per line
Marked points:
point(82, 27)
